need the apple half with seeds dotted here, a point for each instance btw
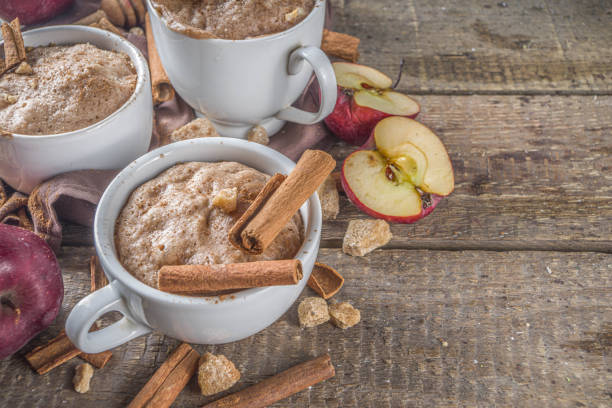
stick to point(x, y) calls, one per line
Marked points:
point(364, 98)
point(405, 177)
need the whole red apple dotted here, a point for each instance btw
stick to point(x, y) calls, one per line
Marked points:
point(31, 287)
point(404, 178)
point(32, 11)
point(365, 98)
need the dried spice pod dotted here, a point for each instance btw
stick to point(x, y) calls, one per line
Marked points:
point(325, 280)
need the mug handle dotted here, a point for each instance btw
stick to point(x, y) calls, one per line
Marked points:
point(89, 309)
point(327, 82)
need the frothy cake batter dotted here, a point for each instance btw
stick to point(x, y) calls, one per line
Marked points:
point(232, 19)
point(71, 87)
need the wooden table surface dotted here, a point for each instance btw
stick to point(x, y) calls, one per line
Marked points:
point(503, 297)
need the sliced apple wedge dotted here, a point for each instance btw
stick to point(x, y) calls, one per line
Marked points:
point(394, 135)
point(364, 98)
point(356, 76)
point(405, 178)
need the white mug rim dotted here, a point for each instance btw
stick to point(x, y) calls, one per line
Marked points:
point(109, 261)
point(141, 66)
point(272, 36)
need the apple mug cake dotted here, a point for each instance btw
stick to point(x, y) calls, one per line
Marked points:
point(62, 88)
point(232, 19)
point(184, 215)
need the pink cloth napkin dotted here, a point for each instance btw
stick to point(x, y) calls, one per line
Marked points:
point(73, 196)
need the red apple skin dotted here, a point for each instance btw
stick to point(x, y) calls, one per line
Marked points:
point(31, 287)
point(351, 122)
point(435, 200)
point(32, 11)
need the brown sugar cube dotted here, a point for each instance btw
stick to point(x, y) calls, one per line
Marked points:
point(226, 200)
point(330, 200)
point(199, 127)
point(137, 31)
point(24, 69)
point(258, 135)
point(313, 311)
point(216, 374)
point(344, 315)
point(364, 236)
point(295, 14)
point(82, 377)
point(6, 100)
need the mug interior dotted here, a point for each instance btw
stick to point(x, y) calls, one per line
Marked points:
point(150, 165)
point(66, 35)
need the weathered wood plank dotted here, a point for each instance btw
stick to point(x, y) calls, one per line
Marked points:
point(528, 46)
point(521, 328)
point(531, 173)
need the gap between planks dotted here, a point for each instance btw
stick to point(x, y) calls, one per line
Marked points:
point(496, 246)
point(510, 92)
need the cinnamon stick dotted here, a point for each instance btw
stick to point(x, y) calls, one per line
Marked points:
point(59, 350)
point(325, 280)
point(254, 232)
point(14, 49)
point(98, 279)
point(104, 24)
point(281, 386)
point(169, 379)
point(194, 279)
point(91, 18)
point(340, 45)
point(161, 86)
point(16, 27)
point(266, 192)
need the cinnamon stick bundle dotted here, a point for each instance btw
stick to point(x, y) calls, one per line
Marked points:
point(280, 386)
point(340, 45)
point(325, 280)
point(161, 86)
point(270, 211)
point(14, 49)
point(59, 350)
point(169, 379)
point(196, 279)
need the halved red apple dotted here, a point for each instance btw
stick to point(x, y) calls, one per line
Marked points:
point(405, 177)
point(364, 98)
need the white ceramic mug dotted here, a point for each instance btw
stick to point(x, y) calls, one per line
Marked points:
point(241, 83)
point(201, 320)
point(113, 142)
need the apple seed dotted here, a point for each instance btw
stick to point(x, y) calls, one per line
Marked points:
point(390, 174)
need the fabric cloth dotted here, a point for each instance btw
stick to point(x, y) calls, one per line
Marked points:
point(73, 196)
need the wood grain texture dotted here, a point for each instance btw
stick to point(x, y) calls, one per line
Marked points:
point(464, 46)
point(531, 173)
point(520, 329)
